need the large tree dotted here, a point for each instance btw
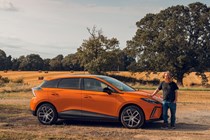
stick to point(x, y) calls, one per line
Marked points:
point(5, 62)
point(71, 62)
point(56, 63)
point(176, 39)
point(94, 52)
point(31, 62)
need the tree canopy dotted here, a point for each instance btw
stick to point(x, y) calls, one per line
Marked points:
point(175, 39)
point(94, 52)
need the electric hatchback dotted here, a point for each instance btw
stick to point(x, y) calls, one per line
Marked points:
point(93, 97)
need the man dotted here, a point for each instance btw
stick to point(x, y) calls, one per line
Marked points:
point(170, 96)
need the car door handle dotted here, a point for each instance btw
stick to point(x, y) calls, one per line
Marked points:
point(54, 94)
point(87, 97)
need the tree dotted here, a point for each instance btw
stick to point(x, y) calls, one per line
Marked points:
point(31, 62)
point(55, 63)
point(6, 62)
point(117, 60)
point(71, 62)
point(93, 53)
point(46, 64)
point(16, 63)
point(176, 39)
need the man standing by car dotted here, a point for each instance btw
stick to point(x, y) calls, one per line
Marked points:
point(170, 95)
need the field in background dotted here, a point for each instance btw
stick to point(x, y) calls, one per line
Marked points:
point(31, 78)
point(17, 122)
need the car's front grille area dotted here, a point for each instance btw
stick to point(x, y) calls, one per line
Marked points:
point(156, 113)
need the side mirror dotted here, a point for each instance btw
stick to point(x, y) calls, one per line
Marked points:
point(107, 90)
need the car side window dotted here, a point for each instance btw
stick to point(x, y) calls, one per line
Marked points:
point(93, 84)
point(50, 84)
point(70, 83)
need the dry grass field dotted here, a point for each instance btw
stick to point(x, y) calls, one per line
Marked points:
point(31, 78)
point(17, 122)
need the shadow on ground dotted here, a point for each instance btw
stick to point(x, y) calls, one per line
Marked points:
point(90, 123)
point(149, 126)
point(179, 126)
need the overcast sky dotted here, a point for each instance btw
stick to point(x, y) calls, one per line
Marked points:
point(52, 27)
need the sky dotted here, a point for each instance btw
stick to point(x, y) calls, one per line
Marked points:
point(53, 27)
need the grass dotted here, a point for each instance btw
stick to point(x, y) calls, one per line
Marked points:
point(180, 88)
point(15, 87)
point(13, 135)
point(17, 123)
point(31, 77)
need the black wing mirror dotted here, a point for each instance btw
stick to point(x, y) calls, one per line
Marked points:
point(107, 90)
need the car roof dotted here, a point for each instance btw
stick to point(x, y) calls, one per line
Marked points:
point(74, 76)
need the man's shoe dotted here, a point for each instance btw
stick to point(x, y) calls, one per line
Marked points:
point(173, 127)
point(165, 126)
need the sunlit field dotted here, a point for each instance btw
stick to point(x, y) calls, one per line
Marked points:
point(17, 122)
point(32, 77)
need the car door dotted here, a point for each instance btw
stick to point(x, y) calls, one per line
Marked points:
point(67, 97)
point(95, 102)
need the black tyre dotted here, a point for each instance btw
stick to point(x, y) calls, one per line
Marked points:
point(132, 117)
point(47, 114)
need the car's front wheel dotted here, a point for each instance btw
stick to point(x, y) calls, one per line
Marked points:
point(47, 114)
point(132, 117)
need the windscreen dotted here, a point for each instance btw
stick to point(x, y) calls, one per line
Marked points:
point(118, 84)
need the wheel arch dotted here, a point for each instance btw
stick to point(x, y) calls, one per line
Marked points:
point(41, 103)
point(130, 104)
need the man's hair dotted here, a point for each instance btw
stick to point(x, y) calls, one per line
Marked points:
point(167, 72)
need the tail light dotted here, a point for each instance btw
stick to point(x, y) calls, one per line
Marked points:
point(34, 89)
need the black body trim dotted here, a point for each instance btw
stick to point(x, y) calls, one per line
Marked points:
point(153, 112)
point(79, 114)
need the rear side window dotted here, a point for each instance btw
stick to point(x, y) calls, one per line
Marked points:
point(50, 84)
point(70, 83)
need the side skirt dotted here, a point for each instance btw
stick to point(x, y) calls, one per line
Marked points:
point(85, 115)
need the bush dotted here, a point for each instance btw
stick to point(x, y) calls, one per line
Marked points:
point(4, 79)
point(18, 80)
point(41, 78)
point(15, 87)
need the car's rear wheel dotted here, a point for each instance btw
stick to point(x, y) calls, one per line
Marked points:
point(132, 117)
point(47, 114)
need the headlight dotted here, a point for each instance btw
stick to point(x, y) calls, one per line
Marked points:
point(150, 101)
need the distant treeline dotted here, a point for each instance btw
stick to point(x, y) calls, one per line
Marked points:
point(71, 62)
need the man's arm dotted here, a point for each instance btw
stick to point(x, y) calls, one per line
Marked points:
point(155, 92)
point(176, 96)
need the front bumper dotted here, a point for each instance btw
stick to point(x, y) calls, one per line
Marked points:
point(156, 114)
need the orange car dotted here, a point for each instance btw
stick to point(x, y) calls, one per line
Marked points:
point(93, 97)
